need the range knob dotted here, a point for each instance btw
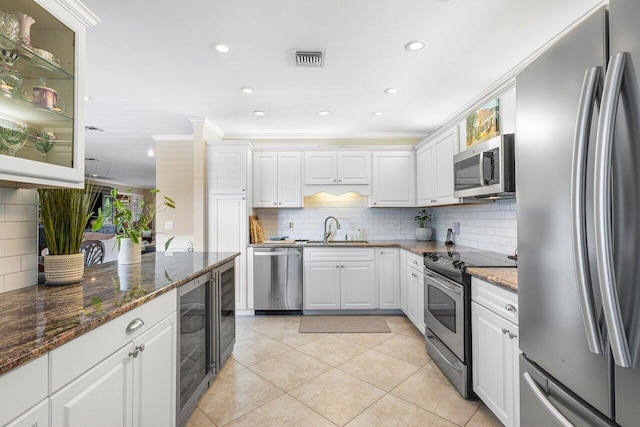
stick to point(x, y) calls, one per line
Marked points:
point(461, 265)
point(455, 263)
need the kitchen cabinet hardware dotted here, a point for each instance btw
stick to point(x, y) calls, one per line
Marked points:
point(134, 353)
point(510, 307)
point(141, 347)
point(505, 331)
point(134, 325)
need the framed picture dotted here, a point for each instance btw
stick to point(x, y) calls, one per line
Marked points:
point(484, 123)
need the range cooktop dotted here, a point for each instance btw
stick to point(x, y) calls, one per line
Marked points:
point(452, 263)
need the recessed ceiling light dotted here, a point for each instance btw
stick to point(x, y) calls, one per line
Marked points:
point(392, 90)
point(246, 89)
point(377, 113)
point(415, 45)
point(95, 175)
point(324, 113)
point(259, 113)
point(150, 153)
point(222, 48)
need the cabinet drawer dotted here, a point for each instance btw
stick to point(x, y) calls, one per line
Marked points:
point(338, 254)
point(22, 388)
point(72, 359)
point(415, 261)
point(502, 302)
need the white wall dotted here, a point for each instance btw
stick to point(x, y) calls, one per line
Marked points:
point(18, 238)
point(488, 226)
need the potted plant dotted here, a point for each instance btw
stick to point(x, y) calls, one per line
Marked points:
point(64, 213)
point(423, 233)
point(129, 227)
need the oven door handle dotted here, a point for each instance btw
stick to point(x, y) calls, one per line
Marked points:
point(435, 347)
point(481, 163)
point(447, 286)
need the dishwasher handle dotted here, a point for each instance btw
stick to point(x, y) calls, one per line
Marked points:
point(293, 253)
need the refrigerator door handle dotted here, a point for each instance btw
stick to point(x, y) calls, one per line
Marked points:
point(602, 210)
point(481, 163)
point(537, 391)
point(590, 94)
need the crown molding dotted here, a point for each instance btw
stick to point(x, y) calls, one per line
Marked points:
point(79, 11)
point(380, 135)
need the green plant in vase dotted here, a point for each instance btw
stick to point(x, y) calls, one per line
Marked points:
point(423, 233)
point(64, 213)
point(129, 227)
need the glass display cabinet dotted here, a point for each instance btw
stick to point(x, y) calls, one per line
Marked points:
point(42, 52)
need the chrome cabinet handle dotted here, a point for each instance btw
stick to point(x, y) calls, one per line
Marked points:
point(134, 353)
point(334, 180)
point(134, 324)
point(602, 210)
point(243, 189)
point(564, 422)
point(590, 94)
point(141, 347)
point(510, 307)
point(505, 331)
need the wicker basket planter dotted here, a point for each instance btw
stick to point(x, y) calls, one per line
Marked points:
point(63, 269)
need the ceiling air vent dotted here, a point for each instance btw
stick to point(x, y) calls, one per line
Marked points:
point(310, 58)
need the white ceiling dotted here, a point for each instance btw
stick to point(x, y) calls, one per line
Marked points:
point(151, 66)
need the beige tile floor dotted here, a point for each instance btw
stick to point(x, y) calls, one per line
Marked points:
point(277, 376)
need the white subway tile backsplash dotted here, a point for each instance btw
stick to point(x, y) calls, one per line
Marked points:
point(18, 238)
point(20, 280)
point(489, 226)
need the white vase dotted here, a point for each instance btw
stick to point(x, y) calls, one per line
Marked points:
point(24, 37)
point(129, 252)
point(63, 269)
point(424, 234)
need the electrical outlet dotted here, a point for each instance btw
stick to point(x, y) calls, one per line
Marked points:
point(397, 226)
point(456, 228)
point(168, 225)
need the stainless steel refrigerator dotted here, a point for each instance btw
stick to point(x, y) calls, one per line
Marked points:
point(578, 186)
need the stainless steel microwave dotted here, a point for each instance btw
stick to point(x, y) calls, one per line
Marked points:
point(486, 170)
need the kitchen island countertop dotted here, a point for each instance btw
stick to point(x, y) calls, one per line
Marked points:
point(505, 277)
point(38, 319)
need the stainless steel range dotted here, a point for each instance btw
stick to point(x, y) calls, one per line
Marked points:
point(447, 310)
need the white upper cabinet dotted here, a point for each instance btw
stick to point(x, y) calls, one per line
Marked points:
point(42, 107)
point(227, 169)
point(337, 168)
point(435, 170)
point(394, 179)
point(277, 180)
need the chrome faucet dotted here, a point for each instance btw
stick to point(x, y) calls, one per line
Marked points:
point(328, 233)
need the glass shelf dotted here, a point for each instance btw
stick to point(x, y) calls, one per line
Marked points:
point(14, 108)
point(30, 65)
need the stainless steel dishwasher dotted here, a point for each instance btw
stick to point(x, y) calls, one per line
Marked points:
point(277, 280)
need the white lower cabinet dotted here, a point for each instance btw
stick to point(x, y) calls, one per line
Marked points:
point(414, 285)
point(22, 391)
point(388, 266)
point(357, 285)
point(337, 279)
point(133, 387)
point(321, 286)
point(403, 282)
point(495, 350)
point(415, 298)
point(38, 416)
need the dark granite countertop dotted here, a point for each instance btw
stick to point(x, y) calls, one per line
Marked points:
point(37, 319)
point(505, 277)
point(418, 248)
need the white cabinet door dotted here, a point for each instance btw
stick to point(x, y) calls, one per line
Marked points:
point(228, 227)
point(265, 180)
point(289, 180)
point(415, 296)
point(425, 176)
point(388, 263)
point(354, 168)
point(154, 376)
point(320, 168)
point(321, 285)
point(445, 149)
point(495, 363)
point(99, 398)
point(38, 416)
point(227, 170)
point(357, 285)
point(403, 282)
point(394, 179)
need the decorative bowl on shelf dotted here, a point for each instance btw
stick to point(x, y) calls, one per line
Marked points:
point(9, 28)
